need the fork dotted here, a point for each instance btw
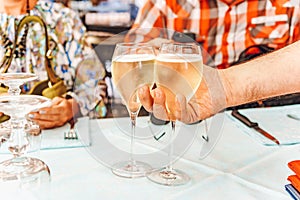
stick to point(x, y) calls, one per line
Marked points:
point(71, 134)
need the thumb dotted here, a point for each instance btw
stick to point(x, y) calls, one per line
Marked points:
point(159, 108)
point(181, 109)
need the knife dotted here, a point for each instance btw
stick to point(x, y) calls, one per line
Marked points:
point(253, 125)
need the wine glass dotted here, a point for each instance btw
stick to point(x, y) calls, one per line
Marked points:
point(132, 67)
point(14, 80)
point(178, 70)
point(21, 167)
point(5, 131)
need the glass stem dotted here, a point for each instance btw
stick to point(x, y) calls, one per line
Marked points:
point(18, 143)
point(14, 89)
point(133, 116)
point(170, 165)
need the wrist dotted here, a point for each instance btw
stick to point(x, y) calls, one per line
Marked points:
point(225, 81)
point(74, 107)
point(242, 84)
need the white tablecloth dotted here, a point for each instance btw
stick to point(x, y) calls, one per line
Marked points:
point(239, 167)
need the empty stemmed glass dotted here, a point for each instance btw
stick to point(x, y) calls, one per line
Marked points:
point(178, 70)
point(132, 67)
point(5, 131)
point(14, 80)
point(20, 167)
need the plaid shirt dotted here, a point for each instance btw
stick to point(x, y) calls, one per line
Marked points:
point(224, 29)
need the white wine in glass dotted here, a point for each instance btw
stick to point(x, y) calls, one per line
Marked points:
point(178, 70)
point(132, 67)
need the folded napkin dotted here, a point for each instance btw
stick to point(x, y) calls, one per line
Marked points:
point(295, 167)
point(294, 187)
point(275, 121)
point(295, 181)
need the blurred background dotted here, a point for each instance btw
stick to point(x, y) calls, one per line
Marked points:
point(107, 22)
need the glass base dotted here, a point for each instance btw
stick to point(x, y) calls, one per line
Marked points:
point(167, 177)
point(128, 169)
point(25, 170)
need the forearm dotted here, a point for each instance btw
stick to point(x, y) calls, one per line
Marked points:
point(271, 75)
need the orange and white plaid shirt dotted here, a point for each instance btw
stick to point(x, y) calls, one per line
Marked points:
point(224, 29)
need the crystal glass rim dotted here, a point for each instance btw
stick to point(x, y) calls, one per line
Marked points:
point(23, 97)
point(133, 44)
point(188, 44)
point(181, 43)
point(125, 48)
point(18, 74)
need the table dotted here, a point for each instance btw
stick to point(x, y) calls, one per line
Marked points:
point(239, 167)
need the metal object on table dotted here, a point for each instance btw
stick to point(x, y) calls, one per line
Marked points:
point(253, 125)
point(71, 133)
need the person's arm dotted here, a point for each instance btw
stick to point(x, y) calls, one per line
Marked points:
point(60, 112)
point(68, 32)
point(271, 75)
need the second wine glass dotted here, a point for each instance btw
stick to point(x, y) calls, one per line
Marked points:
point(178, 70)
point(132, 67)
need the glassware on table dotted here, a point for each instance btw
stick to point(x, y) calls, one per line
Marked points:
point(14, 80)
point(21, 166)
point(132, 67)
point(5, 131)
point(178, 70)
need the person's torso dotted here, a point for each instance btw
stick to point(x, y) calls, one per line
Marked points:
point(225, 30)
point(34, 59)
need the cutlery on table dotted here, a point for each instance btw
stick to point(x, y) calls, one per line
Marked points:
point(71, 133)
point(253, 125)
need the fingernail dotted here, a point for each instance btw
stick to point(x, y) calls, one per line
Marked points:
point(141, 90)
point(157, 94)
point(42, 112)
point(31, 116)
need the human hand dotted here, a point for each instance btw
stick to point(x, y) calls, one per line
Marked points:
point(209, 99)
point(59, 113)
